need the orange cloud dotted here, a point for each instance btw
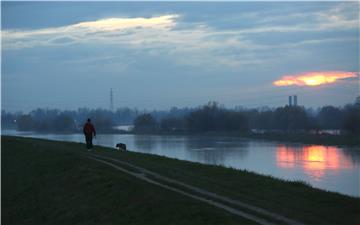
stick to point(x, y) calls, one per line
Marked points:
point(313, 78)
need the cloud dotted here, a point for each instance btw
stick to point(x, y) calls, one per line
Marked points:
point(114, 24)
point(314, 78)
point(102, 25)
point(164, 29)
point(89, 30)
point(199, 42)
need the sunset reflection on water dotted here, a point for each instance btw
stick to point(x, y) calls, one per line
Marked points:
point(314, 160)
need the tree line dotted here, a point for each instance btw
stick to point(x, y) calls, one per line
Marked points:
point(54, 120)
point(214, 118)
point(210, 117)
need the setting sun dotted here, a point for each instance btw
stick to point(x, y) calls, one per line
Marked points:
point(313, 78)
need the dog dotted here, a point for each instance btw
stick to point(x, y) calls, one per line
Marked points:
point(121, 146)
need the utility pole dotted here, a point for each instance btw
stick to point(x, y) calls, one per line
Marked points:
point(111, 100)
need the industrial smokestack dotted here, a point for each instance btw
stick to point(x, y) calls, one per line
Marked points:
point(290, 100)
point(295, 100)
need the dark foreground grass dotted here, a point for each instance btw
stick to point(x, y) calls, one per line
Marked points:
point(49, 182)
point(45, 182)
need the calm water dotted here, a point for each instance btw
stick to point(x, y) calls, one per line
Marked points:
point(330, 168)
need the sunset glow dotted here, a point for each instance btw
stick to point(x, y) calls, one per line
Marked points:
point(113, 24)
point(85, 28)
point(313, 78)
point(314, 160)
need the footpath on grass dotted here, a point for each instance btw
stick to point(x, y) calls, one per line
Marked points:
point(48, 182)
point(63, 183)
point(197, 193)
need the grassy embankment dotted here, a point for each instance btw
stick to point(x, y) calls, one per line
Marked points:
point(48, 182)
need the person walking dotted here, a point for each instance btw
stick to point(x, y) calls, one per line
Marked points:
point(89, 130)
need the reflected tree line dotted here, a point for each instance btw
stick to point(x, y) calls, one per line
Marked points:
point(210, 117)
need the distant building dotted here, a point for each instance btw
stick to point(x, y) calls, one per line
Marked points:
point(290, 100)
point(295, 100)
point(357, 101)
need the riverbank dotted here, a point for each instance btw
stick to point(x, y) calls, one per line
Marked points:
point(53, 181)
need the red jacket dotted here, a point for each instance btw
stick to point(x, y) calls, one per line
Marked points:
point(89, 128)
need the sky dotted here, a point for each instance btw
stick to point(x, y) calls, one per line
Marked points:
point(68, 55)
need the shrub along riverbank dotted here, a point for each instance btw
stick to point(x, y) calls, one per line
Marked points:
point(53, 182)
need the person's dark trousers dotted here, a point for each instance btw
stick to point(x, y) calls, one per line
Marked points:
point(89, 138)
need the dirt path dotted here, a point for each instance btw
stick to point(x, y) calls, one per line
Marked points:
point(196, 193)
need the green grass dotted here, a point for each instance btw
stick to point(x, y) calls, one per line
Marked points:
point(45, 182)
point(48, 182)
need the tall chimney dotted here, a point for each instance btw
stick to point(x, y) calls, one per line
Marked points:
point(290, 100)
point(295, 100)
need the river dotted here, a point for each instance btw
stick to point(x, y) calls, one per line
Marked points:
point(325, 167)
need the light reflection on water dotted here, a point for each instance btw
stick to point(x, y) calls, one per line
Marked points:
point(315, 160)
point(329, 168)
